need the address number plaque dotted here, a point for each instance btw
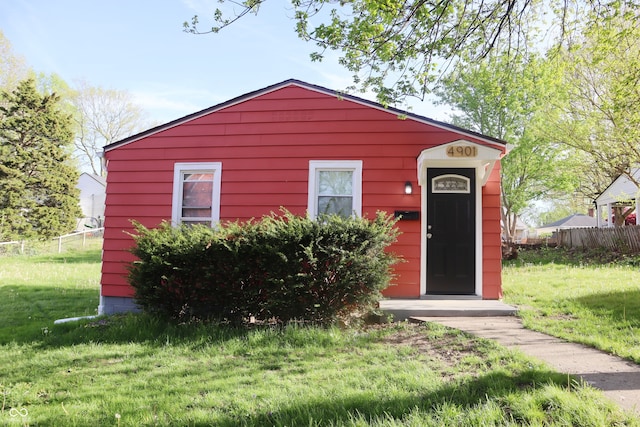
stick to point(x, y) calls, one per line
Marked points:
point(462, 151)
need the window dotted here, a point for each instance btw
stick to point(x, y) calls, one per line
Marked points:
point(450, 184)
point(196, 193)
point(335, 187)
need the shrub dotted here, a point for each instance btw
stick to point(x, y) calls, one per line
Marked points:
point(280, 267)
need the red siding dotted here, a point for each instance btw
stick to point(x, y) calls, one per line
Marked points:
point(407, 280)
point(492, 255)
point(265, 144)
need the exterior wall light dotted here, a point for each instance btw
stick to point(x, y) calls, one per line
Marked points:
point(408, 188)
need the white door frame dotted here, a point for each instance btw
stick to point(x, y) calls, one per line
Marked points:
point(455, 154)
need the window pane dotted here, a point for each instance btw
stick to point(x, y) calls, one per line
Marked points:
point(196, 212)
point(198, 177)
point(342, 206)
point(335, 183)
point(197, 199)
point(196, 192)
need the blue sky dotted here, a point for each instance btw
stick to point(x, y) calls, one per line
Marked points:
point(139, 46)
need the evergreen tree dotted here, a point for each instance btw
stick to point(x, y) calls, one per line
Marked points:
point(38, 194)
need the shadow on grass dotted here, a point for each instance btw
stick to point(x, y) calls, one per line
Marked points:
point(359, 407)
point(462, 396)
point(27, 313)
point(92, 256)
point(620, 306)
point(139, 328)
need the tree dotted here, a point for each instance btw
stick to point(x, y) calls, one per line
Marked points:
point(502, 97)
point(38, 194)
point(102, 116)
point(399, 48)
point(599, 115)
point(12, 67)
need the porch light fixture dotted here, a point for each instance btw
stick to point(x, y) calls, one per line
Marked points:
point(408, 188)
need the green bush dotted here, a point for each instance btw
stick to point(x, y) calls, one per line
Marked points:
point(280, 267)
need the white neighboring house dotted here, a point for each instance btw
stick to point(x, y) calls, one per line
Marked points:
point(622, 189)
point(92, 196)
point(521, 233)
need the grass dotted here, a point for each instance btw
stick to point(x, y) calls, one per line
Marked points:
point(35, 290)
point(134, 370)
point(586, 297)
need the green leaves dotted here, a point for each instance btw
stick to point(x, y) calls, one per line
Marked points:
point(399, 48)
point(38, 197)
point(507, 97)
point(281, 267)
point(602, 91)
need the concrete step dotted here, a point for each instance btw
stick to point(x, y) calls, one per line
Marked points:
point(402, 309)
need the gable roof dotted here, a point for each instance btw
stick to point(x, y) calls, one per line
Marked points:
point(98, 179)
point(294, 82)
point(620, 188)
point(573, 221)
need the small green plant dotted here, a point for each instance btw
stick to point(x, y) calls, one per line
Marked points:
point(279, 268)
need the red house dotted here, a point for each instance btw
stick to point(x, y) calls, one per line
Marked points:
point(314, 150)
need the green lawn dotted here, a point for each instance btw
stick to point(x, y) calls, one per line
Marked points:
point(35, 290)
point(135, 370)
point(583, 297)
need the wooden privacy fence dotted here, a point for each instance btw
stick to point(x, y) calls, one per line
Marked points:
point(626, 239)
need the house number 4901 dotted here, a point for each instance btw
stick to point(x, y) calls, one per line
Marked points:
point(462, 151)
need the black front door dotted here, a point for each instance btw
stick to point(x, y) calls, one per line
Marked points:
point(451, 229)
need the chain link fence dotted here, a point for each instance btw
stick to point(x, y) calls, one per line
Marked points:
point(80, 240)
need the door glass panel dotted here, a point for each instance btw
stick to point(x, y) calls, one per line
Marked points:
point(450, 184)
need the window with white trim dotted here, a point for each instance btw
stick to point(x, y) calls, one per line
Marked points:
point(196, 193)
point(335, 187)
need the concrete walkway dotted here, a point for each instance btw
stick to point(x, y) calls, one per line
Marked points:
point(617, 378)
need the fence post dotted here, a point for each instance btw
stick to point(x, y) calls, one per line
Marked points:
point(84, 239)
point(60, 244)
point(22, 247)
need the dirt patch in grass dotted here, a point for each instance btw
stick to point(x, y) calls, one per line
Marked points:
point(562, 316)
point(449, 348)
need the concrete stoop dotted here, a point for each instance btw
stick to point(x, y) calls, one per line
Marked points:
point(403, 309)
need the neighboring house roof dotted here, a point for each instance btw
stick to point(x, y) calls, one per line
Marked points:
point(98, 179)
point(571, 221)
point(622, 188)
point(294, 82)
point(92, 196)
